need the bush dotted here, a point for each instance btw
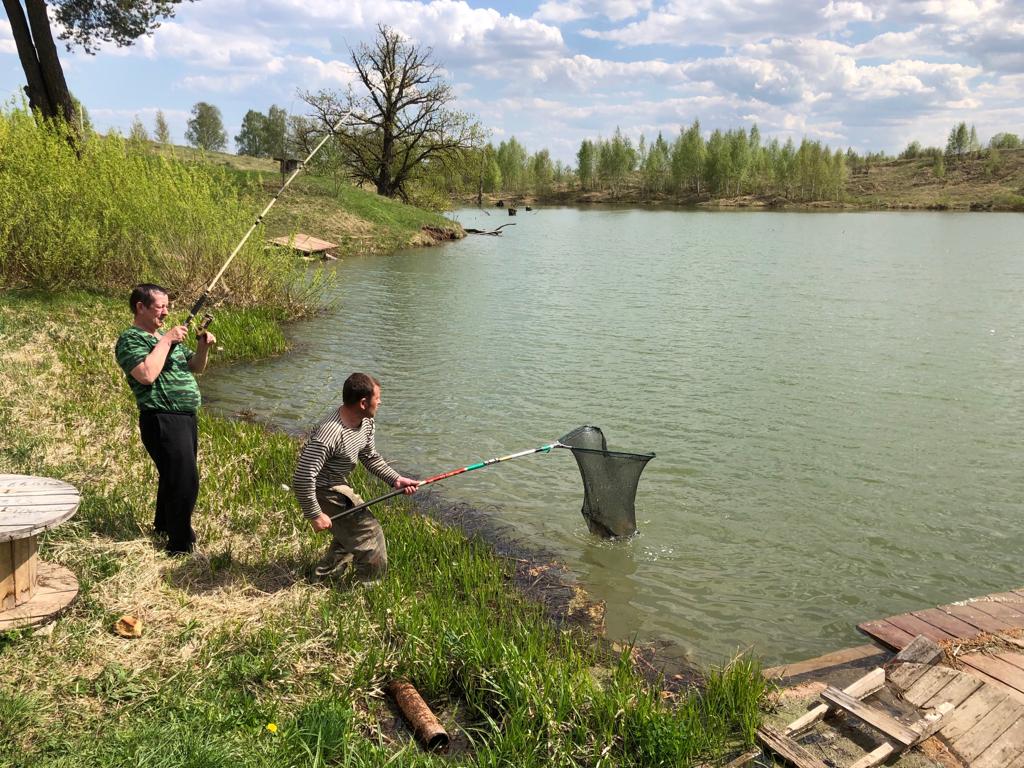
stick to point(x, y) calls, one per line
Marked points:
point(113, 214)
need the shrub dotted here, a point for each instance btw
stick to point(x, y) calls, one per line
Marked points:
point(113, 214)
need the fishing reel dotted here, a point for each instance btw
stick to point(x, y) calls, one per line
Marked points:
point(204, 324)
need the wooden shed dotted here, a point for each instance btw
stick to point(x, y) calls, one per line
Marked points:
point(288, 164)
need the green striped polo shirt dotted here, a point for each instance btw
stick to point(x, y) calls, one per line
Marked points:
point(175, 389)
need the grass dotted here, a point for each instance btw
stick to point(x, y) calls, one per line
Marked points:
point(243, 661)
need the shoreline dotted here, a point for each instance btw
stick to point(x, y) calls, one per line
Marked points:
point(535, 572)
point(745, 202)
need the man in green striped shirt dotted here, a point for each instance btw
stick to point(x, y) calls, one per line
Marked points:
point(160, 369)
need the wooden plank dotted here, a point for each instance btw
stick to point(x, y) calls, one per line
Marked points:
point(15, 482)
point(24, 569)
point(1011, 614)
point(903, 676)
point(989, 728)
point(1010, 596)
point(915, 626)
point(835, 659)
point(786, 748)
point(929, 684)
point(8, 591)
point(743, 759)
point(947, 623)
point(887, 634)
point(1012, 657)
point(956, 692)
point(40, 500)
point(995, 667)
point(1004, 750)
point(970, 615)
point(994, 682)
point(865, 686)
point(972, 710)
point(877, 756)
point(932, 721)
point(889, 726)
point(921, 651)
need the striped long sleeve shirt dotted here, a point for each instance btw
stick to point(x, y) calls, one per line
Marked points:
point(330, 455)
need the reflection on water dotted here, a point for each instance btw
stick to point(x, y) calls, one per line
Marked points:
point(834, 400)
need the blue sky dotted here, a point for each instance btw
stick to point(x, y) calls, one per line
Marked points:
point(871, 75)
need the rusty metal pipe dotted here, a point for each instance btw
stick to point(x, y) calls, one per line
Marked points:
point(412, 706)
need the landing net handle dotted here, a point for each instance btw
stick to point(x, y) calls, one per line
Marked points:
point(205, 295)
point(452, 473)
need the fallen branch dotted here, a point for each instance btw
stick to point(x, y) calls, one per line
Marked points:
point(497, 231)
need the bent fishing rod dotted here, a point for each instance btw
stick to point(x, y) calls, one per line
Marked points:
point(453, 473)
point(205, 295)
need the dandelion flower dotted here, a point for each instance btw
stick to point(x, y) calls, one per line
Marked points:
point(272, 727)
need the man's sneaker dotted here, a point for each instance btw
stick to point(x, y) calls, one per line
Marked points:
point(333, 563)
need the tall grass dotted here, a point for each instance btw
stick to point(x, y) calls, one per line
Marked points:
point(115, 214)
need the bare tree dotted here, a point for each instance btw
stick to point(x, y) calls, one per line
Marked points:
point(402, 121)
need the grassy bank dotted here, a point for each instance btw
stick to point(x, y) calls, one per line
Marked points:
point(243, 661)
point(360, 222)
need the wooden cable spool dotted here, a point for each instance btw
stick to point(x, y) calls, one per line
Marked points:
point(32, 591)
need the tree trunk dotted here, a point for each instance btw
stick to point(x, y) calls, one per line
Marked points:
point(49, 62)
point(38, 98)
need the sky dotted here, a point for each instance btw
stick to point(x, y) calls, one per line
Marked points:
point(868, 75)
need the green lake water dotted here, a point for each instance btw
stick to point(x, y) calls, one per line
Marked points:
point(835, 401)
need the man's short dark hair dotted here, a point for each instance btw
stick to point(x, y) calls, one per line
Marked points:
point(357, 386)
point(146, 293)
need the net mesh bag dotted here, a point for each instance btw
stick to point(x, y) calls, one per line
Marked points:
point(610, 480)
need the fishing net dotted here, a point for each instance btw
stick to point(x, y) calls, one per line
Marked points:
point(610, 480)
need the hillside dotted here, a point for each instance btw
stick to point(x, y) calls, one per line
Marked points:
point(360, 221)
point(976, 183)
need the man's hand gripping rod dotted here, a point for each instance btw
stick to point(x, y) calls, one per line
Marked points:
point(446, 475)
point(205, 295)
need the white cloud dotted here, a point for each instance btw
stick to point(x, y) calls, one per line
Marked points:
point(7, 38)
point(199, 47)
point(714, 22)
point(561, 11)
point(843, 12)
point(307, 71)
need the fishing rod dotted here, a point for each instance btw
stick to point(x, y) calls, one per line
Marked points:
point(205, 295)
point(453, 473)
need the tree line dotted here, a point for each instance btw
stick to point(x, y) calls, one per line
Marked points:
point(403, 136)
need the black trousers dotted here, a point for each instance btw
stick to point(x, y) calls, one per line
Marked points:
point(172, 441)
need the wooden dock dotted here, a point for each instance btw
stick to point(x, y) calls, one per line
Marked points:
point(971, 685)
point(967, 623)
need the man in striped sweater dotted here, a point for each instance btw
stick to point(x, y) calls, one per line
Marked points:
point(321, 482)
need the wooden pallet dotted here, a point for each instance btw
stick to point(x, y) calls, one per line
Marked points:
point(896, 736)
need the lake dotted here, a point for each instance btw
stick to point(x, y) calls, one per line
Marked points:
point(834, 400)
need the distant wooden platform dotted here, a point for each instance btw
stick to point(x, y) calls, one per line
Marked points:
point(304, 243)
point(999, 614)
